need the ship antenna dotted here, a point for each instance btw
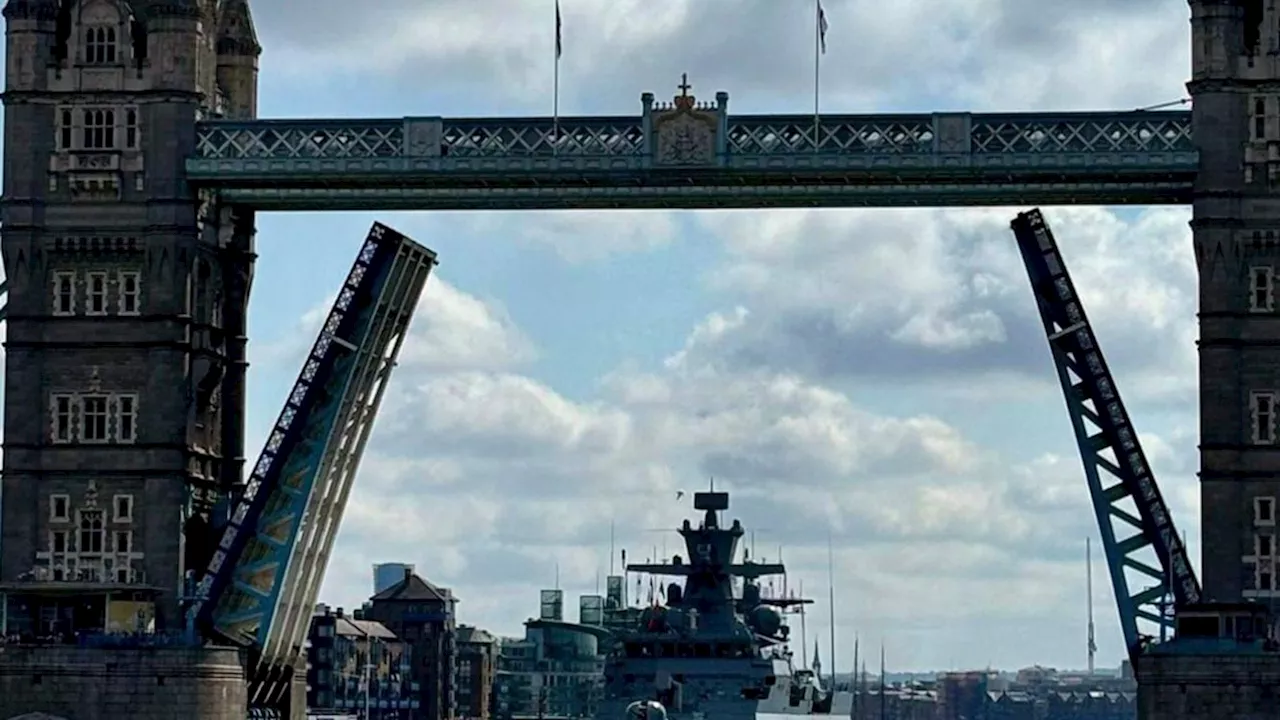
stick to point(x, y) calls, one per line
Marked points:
point(884, 682)
point(557, 575)
point(857, 683)
point(1088, 569)
point(831, 600)
point(804, 641)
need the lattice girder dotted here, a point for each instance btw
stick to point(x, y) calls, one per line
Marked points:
point(346, 443)
point(751, 135)
point(241, 591)
point(1138, 535)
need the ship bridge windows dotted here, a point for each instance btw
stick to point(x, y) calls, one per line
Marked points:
point(724, 650)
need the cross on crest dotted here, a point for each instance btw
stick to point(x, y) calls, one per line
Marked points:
point(684, 100)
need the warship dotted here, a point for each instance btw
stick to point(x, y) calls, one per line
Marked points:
point(708, 653)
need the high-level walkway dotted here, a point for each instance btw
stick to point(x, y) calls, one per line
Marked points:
point(694, 155)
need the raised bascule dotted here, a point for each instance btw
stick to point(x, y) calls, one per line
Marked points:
point(145, 573)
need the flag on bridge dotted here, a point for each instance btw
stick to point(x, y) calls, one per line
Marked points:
point(555, 87)
point(822, 28)
point(819, 49)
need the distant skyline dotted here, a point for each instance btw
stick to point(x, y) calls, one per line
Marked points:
point(874, 375)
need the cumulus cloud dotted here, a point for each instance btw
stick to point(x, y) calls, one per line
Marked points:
point(918, 296)
point(818, 387)
point(495, 482)
point(986, 53)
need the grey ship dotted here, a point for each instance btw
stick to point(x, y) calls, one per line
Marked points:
point(706, 654)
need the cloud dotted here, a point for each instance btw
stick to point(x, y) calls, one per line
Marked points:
point(495, 483)
point(451, 330)
point(985, 53)
point(823, 388)
point(924, 296)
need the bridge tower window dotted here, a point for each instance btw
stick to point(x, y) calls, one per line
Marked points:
point(1264, 511)
point(62, 407)
point(1263, 546)
point(66, 129)
point(93, 418)
point(122, 509)
point(124, 411)
point(97, 300)
point(59, 508)
point(1262, 289)
point(131, 129)
point(1258, 126)
point(1263, 409)
point(130, 287)
point(99, 129)
point(91, 532)
point(100, 46)
point(64, 293)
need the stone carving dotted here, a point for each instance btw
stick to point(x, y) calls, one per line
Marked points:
point(953, 134)
point(422, 138)
point(685, 133)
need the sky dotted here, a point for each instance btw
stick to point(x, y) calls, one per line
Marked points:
point(876, 377)
point(873, 377)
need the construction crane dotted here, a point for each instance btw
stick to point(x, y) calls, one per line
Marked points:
point(1148, 564)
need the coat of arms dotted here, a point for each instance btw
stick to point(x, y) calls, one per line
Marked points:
point(685, 135)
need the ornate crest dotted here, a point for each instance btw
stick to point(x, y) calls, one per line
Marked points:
point(684, 132)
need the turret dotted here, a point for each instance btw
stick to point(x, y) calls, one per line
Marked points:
point(175, 31)
point(238, 51)
point(31, 28)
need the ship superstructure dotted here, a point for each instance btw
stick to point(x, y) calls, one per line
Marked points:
point(708, 652)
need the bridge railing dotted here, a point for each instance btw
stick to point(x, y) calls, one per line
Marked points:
point(748, 136)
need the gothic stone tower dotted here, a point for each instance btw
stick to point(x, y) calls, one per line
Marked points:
point(124, 392)
point(1235, 88)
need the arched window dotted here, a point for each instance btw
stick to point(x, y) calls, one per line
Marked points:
point(99, 129)
point(91, 532)
point(131, 129)
point(65, 129)
point(100, 45)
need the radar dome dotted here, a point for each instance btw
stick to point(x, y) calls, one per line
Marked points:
point(646, 710)
point(765, 620)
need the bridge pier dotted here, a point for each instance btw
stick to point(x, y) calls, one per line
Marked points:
point(123, 683)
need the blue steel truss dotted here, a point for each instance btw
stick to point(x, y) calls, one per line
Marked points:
point(1137, 530)
point(941, 159)
point(271, 557)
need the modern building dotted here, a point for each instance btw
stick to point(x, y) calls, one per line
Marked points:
point(358, 665)
point(477, 662)
point(423, 615)
point(556, 670)
point(387, 574)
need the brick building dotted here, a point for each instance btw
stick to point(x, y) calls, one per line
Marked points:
point(477, 663)
point(354, 665)
point(423, 615)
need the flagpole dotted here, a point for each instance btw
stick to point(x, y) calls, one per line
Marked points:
point(555, 90)
point(817, 64)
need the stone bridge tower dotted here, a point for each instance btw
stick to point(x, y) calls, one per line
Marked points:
point(1235, 88)
point(124, 383)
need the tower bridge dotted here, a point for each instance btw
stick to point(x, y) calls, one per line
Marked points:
point(134, 165)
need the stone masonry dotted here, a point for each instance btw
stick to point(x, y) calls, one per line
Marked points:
point(125, 366)
point(113, 684)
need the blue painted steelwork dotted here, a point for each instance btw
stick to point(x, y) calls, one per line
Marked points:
point(936, 159)
point(1137, 530)
point(4, 309)
point(262, 548)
